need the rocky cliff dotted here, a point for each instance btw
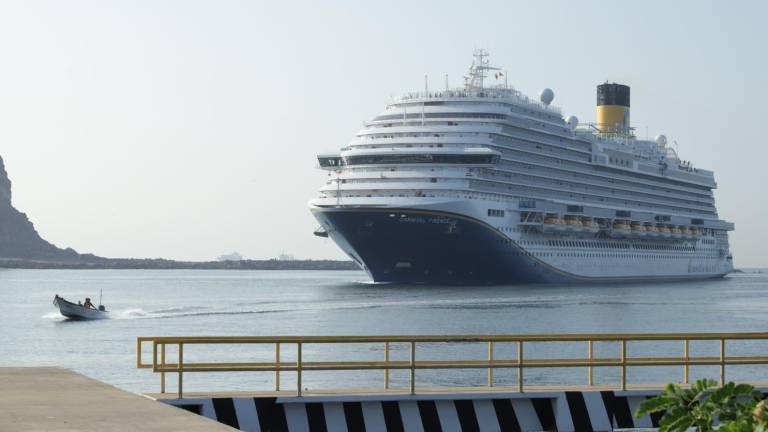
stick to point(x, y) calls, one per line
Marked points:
point(22, 247)
point(18, 237)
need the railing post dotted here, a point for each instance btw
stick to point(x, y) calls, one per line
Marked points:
point(722, 361)
point(590, 371)
point(162, 364)
point(154, 355)
point(386, 360)
point(277, 366)
point(413, 367)
point(180, 367)
point(520, 366)
point(154, 362)
point(298, 369)
point(686, 358)
point(138, 352)
point(490, 360)
point(623, 364)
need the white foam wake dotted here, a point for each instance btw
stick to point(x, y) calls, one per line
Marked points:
point(53, 316)
point(129, 314)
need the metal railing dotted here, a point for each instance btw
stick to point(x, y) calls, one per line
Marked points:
point(163, 363)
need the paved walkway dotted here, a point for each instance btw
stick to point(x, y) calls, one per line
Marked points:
point(55, 399)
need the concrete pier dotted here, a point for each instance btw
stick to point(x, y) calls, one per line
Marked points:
point(47, 399)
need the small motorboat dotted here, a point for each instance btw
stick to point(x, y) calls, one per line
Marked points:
point(78, 311)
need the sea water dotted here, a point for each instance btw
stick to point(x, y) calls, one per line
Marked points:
point(207, 302)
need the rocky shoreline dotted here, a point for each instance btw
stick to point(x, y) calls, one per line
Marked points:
point(21, 247)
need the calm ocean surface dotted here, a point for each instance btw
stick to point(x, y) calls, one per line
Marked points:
point(167, 302)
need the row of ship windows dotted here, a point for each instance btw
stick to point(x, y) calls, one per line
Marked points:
point(588, 198)
point(420, 159)
point(407, 123)
point(417, 194)
point(614, 161)
point(587, 176)
point(571, 165)
point(519, 142)
point(622, 162)
point(512, 167)
point(512, 145)
point(479, 105)
point(603, 189)
point(600, 245)
point(457, 194)
point(382, 179)
point(560, 156)
point(477, 159)
point(612, 255)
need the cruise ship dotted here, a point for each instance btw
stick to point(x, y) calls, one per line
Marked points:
point(484, 185)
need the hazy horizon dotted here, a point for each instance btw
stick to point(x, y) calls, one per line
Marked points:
point(187, 130)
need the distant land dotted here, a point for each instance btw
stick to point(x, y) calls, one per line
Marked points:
point(22, 247)
point(164, 264)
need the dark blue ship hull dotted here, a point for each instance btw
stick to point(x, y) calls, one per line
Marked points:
point(407, 246)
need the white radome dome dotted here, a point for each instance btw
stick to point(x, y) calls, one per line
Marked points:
point(572, 122)
point(546, 96)
point(661, 140)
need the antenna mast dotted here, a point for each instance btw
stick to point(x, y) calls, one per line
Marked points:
point(478, 70)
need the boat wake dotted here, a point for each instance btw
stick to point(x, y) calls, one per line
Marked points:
point(129, 313)
point(373, 302)
point(54, 316)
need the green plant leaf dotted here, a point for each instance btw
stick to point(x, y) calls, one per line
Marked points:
point(676, 422)
point(743, 390)
point(656, 404)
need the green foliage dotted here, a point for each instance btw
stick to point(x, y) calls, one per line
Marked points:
point(737, 407)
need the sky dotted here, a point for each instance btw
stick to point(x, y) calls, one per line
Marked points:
point(189, 129)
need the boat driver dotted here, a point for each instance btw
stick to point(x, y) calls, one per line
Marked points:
point(88, 304)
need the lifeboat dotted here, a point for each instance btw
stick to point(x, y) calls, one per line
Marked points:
point(664, 231)
point(572, 220)
point(620, 228)
point(573, 223)
point(637, 229)
point(686, 232)
point(676, 232)
point(553, 223)
point(589, 225)
point(652, 230)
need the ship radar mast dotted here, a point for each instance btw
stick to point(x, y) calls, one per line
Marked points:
point(478, 70)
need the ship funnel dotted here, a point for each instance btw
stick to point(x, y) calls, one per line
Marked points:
point(613, 108)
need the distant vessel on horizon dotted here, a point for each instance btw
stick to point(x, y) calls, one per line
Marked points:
point(482, 184)
point(234, 256)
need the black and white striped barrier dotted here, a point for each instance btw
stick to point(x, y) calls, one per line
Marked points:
point(551, 411)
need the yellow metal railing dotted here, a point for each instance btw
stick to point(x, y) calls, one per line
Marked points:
point(162, 363)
